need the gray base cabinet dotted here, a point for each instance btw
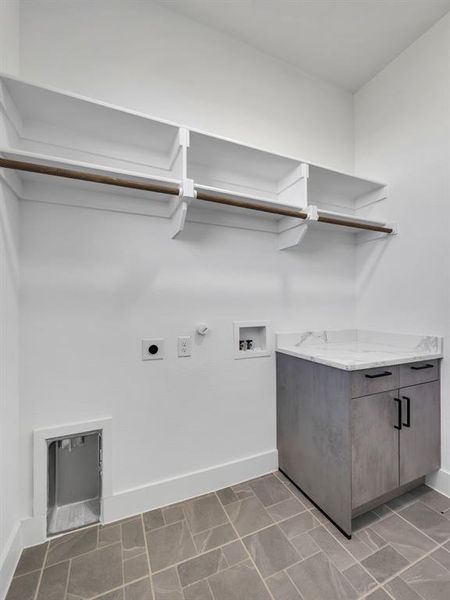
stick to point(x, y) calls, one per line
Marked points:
point(350, 439)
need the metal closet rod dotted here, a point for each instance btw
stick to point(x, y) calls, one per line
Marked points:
point(174, 189)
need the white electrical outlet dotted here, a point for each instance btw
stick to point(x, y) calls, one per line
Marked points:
point(184, 345)
point(153, 349)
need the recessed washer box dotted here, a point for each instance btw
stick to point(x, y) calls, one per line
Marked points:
point(251, 339)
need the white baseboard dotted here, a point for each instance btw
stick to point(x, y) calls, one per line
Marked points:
point(176, 489)
point(34, 531)
point(167, 491)
point(9, 559)
point(440, 481)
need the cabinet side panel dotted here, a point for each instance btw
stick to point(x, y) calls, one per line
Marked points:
point(313, 433)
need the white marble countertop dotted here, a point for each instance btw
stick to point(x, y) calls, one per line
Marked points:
point(353, 349)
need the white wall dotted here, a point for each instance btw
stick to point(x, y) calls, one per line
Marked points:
point(402, 122)
point(10, 540)
point(140, 55)
point(9, 36)
point(95, 283)
point(9, 379)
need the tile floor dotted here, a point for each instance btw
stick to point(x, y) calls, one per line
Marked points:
point(260, 540)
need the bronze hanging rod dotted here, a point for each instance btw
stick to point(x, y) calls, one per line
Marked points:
point(174, 189)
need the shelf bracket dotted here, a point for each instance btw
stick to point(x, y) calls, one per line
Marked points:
point(291, 238)
point(187, 194)
point(363, 237)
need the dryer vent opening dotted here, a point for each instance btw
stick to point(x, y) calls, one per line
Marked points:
point(74, 481)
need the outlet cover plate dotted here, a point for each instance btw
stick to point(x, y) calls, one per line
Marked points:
point(146, 355)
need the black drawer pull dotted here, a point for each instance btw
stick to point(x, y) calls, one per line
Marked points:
point(408, 411)
point(385, 374)
point(399, 414)
point(427, 366)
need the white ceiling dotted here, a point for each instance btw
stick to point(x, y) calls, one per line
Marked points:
point(343, 41)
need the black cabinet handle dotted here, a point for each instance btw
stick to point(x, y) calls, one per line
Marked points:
point(408, 411)
point(427, 366)
point(385, 374)
point(399, 414)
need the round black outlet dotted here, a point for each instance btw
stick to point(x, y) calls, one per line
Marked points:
point(153, 349)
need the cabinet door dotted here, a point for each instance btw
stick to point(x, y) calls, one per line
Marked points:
point(420, 442)
point(375, 446)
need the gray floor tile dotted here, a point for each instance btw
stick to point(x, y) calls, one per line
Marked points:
point(384, 563)
point(360, 579)
point(428, 520)
point(335, 552)
point(298, 494)
point(365, 520)
point(96, 572)
point(271, 550)
point(270, 490)
point(235, 553)
point(227, 496)
point(429, 579)
point(282, 477)
point(282, 588)
point(166, 585)
point(133, 542)
point(54, 582)
point(248, 515)
point(173, 513)
point(301, 523)
point(238, 583)
point(431, 498)
point(442, 556)
point(31, 559)
point(383, 510)
point(400, 590)
point(198, 591)
point(401, 502)
point(204, 513)
point(153, 519)
point(114, 595)
point(139, 590)
point(72, 544)
point(135, 568)
point(169, 545)
point(243, 490)
point(319, 515)
point(298, 551)
point(212, 538)
point(108, 534)
point(294, 490)
point(285, 509)
point(23, 587)
point(378, 595)
point(403, 537)
point(201, 567)
point(305, 545)
point(362, 544)
point(372, 539)
point(316, 577)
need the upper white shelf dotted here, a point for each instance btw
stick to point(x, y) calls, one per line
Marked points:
point(224, 165)
point(60, 129)
point(335, 191)
point(67, 126)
